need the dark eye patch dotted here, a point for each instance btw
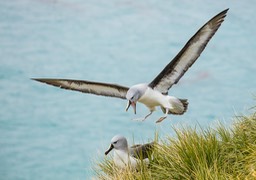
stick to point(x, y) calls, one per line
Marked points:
point(115, 142)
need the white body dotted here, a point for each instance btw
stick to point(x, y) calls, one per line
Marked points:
point(122, 159)
point(152, 98)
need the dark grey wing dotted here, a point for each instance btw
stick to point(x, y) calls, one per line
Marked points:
point(141, 151)
point(172, 73)
point(98, 88)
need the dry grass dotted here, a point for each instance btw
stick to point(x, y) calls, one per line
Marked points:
point(219, 153)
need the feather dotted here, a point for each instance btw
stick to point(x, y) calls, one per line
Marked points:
point(98, 88)
point(172, 73)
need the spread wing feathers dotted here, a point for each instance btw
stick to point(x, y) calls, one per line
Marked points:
point(97, 88)
point(172, 73)
point(142, 151)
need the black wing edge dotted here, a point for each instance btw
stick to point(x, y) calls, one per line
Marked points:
point(176, 58)
point(52, 82)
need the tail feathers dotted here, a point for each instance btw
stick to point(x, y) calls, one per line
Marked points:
point(185, 105)
point(180, 107)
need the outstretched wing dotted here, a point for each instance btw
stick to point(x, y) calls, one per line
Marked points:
point(97, 88)
point(141, 151)
point(172, 73)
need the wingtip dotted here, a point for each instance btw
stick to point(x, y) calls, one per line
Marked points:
point(42, 80)
point(224, 12)
point(37, 79)
point(34, 79)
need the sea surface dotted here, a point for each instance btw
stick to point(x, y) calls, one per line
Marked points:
point(51, 133)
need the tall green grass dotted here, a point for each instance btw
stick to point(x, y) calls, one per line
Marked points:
point(221, 153)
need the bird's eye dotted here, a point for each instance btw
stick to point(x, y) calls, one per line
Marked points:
point(115, 142)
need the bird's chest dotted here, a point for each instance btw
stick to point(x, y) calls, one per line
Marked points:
point(122, 159)
point(152, 98)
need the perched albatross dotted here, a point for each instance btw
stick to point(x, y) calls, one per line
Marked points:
point(156, 92)
point(129, 156)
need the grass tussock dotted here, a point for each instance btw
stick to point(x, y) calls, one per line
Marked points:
point(219, 153)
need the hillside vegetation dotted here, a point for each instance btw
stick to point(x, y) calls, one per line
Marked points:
point(220, 153)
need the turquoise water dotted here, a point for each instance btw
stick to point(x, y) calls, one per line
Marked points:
point(50, 133)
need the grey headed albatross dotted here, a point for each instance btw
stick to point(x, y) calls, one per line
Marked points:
point(155, 93)
point(125, 156)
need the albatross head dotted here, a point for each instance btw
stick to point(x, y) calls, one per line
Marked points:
point(118, 142)
point(134, 94)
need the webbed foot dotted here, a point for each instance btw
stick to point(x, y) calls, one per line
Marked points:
point(161, 119)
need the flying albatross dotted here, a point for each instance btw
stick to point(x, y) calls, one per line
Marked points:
point(155, 93)
point(129, 156)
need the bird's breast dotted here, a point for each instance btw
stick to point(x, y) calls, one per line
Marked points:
point(152, 98)
point(122, 159)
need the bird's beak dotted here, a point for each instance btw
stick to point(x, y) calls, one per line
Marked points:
point(133, 106)
point(109, 149)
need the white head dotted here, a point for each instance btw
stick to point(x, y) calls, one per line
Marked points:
point(134, 94)
point(118, 142)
